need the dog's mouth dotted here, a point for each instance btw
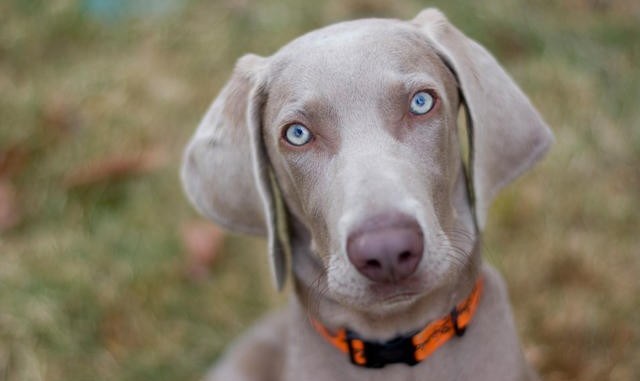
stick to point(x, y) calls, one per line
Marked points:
point(396, 293)
point(401, 298)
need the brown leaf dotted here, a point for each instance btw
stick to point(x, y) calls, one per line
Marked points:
point(59, 117)
point(13, 159)
point(114, 168)
point(202, 243)
point(10, 213)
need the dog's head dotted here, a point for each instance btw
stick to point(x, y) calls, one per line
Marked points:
point(351, 132)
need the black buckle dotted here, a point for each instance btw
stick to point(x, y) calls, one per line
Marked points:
point(377, 355)
point(454, 319)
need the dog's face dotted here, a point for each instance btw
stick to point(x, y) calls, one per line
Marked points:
point(367, 152)
point(349, 134)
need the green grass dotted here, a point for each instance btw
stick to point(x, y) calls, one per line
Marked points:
point(92, 281)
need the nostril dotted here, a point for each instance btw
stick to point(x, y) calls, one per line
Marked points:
point(404, 256)
point(373, 264)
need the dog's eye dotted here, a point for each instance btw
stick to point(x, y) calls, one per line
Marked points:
point(421, 103)
point(297, 134)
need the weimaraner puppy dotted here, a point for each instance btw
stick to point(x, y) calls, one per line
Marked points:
point(343, 149)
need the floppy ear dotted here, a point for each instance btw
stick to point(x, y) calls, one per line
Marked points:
point(225, 172)
point(508, 135)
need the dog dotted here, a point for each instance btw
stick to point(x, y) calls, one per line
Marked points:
point(343, 149)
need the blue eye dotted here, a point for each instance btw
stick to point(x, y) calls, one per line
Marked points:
point(297, 134)
point(421, 103)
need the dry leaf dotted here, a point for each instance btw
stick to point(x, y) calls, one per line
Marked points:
point(10, 214)
point(13, 159)
point(59, 117)
point(115, 168)
point(202, 243)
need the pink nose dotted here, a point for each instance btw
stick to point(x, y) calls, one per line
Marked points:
point(387, 248)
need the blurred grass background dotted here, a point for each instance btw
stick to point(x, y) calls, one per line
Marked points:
point(93, 280)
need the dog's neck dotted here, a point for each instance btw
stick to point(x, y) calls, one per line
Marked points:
point(310, 283)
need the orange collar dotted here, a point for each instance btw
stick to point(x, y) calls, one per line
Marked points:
point(409, 349)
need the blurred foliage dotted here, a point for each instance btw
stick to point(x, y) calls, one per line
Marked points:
point(92, 278)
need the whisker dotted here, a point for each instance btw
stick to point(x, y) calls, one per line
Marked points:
point(457, 245)
point(317, 291)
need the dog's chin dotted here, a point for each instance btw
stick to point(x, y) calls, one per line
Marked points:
point(386, 298)
point(394, 304)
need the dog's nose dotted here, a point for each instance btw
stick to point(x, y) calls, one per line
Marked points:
point(387, 248)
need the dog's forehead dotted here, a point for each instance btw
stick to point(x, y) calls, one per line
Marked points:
point(355, 54)
point(349, 36)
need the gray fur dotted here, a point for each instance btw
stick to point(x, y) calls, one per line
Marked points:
point(350, 84)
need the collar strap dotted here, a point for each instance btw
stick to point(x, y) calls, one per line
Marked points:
point(409, 349)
